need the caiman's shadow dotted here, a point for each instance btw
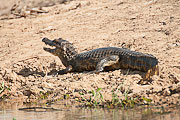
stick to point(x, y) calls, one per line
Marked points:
point(143, 80)
point(123, 71)
point(131, 72)
point(25, 72)
point(28, 71)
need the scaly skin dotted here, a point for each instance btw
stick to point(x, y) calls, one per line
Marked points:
point(108, 58)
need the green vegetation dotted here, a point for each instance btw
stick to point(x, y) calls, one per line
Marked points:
point(66, 96)
point(96, 100)
point(126, 101)
point(146, 100)
point(44, 95)
point(47, 98)
point(3, 87)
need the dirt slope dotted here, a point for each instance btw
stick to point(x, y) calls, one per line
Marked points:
point(146, 26)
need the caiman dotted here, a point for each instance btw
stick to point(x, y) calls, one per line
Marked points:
point(101, 59)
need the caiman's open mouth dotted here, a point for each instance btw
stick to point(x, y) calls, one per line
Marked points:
point(50, 43)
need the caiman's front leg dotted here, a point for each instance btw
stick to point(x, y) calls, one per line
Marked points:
point(108, 61)
point(64, 71)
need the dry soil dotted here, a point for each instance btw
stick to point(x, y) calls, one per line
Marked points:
point(142, 25)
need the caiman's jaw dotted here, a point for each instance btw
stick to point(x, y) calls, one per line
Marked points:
point(52, 44)
point(53, 51)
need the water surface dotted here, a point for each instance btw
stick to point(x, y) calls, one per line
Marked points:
point(16, 111)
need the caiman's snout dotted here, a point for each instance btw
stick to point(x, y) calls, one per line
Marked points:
point(48, 42)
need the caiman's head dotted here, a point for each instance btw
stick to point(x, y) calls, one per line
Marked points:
point(63, 49)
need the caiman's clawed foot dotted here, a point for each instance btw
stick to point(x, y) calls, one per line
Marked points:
point(64, 71)
point(53, 73)
point(60, 72)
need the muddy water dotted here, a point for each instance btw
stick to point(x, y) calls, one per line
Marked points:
point(17, 111)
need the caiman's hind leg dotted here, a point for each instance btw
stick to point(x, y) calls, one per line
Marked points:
point(153, 71)
point(108, 61)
